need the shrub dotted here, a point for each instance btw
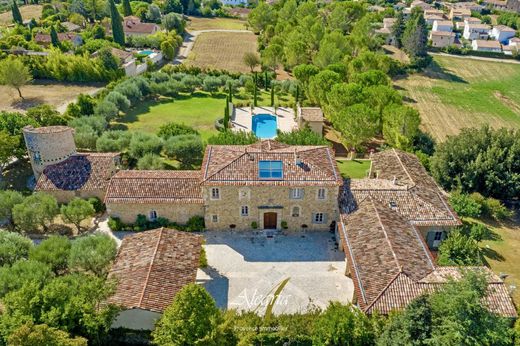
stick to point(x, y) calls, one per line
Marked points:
point(107, 110)
point(113, 141)
point(185, 148)
point(203, 259)
point(464, 205)
point(150, 161)
point(195, 224)
point(173, 129)
point(254, 225)
point(115, 224)
point(459, 250)
point(144, 143)
point(120, 100)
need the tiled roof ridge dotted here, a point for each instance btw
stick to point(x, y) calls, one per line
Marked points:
point(385, 233)
point(150, 267)
point(403, 166)
point(399, 273)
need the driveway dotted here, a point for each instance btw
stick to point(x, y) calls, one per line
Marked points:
point(245, 269)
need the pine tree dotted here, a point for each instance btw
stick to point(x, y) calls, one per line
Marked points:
point(398, 29)
point(55, 41)
point(127, 9)
point(17, 16)
point(117, 24)
point(415, 36)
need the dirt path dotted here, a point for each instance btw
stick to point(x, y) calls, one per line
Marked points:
point(189, 41)
point(63, 106)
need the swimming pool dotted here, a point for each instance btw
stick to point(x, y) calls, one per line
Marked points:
point(146, 52)
point(264, 126)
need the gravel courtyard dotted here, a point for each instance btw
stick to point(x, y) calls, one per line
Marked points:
point(245, 269)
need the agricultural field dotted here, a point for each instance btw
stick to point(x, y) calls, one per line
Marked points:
point(454, 93)
point(200, 23)
point(53, 93)
point(222, 50)
point(200, 112)
point(28, 12)
point(503, 254)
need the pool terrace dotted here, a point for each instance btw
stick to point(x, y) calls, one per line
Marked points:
point(242, 119)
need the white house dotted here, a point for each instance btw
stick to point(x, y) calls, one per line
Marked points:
point(443, 25)
point(234, 2)
point(476, 31)
point(502, 33)
point(486, 46)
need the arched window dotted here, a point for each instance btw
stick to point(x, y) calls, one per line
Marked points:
point(153, 215)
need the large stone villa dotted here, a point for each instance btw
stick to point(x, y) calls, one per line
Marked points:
point(387, 223)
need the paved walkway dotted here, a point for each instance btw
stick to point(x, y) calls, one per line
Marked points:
point(245, 268)
point(189, 41)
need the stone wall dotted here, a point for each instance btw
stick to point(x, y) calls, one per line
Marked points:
point(179, 213)
point(262, 199)
point(63, 196)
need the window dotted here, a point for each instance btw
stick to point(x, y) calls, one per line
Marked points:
point(319, 218)
point(438, 236)
point(244, 210)
point(270, 170)
point(322, 193)
point(153, 215)
point(296, 193)
point(215, 193)
point(214, 218)
point(296, 211)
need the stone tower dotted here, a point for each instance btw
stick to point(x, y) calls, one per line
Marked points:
point(48, 145)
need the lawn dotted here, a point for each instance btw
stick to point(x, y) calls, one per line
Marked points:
point(200, 23)
point(40, 92)
point(222, 50)
point(454, 93)
point(355, 169)
point(200, 111)
point(503, 255)
point(28, 12)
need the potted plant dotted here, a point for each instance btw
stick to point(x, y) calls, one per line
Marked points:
point(284, 224)
point(254, 225)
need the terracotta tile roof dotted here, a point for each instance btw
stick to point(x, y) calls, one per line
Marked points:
point(238, 164)
point(62, 36)
point(132, 186)
point(80, 172)
point(488, 44)
point(380, 245)
point(152, 266)
point(312, 113)
point(133, 24)
point(402, 183)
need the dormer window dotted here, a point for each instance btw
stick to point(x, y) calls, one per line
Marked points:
point(270, 169)
point(393, 204)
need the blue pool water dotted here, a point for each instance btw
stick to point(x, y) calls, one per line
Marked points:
point(146, 52)
point(264, 126)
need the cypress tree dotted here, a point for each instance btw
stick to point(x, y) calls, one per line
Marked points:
point(272, 97)
point(415, 36)
point(55, 41)
point(398, 29)
point(117, 24)
point(266, 81)
point(230, 93)
point(226, 114)
point(17, 16)
point(127, 9)
point(255, 97)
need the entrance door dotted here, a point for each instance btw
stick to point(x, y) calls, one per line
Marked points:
point(269, 220)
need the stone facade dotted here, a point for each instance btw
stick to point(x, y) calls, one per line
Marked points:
point(63, 196)
point(48, 145)
point(176, 212)
point(227, 210)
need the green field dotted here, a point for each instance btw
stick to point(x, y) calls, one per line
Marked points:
point(460, 92)
point(199, 111)
point(356, 169)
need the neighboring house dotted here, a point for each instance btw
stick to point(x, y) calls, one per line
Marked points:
point(312, 117)
point(71, 27)
point(476, 31)
point(45, 39)
point(132, 26)
point(388, 222)
point(472, 20)
point(502, 33)
point(234, 2)
point(387, 29)
point(431, 18)
point(515, 41)
point(486, 46)
point(433, 12)
point(513, 5)
point(421, 4)
point(499, 5)
point(442, 38)
point(150, 268)
point(442, 25)
point(175, 195)
point(459, 14)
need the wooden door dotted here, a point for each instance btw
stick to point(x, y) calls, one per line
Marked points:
point(270, 220)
